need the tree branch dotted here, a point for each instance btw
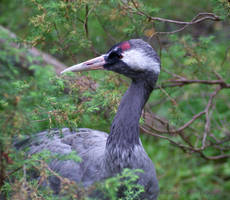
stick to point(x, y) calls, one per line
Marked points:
point(196, 19)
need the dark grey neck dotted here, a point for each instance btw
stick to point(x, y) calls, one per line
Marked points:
point(124, 132)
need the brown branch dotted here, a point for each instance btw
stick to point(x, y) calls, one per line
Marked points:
point(207, 116)
point(172, 32)
point(197, 19)
point(184, 148)
point(195, 117)
point(32, 51)
point(13, 171)
point(168, 85)
point(183, 81)
point(86, 21)
point(207, 111)
point(221, 156)
point(209, 82)
point(186, 125)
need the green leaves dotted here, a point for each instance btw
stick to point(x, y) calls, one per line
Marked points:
point(48, 156)
point(127, 179)
point(221, 7)
point(74, 31)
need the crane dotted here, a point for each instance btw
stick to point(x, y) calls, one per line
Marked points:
point(105, 155)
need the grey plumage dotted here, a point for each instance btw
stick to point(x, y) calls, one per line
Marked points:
point(89, 145)
point(106, 155)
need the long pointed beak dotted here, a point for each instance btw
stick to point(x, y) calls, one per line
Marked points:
point(93, 64)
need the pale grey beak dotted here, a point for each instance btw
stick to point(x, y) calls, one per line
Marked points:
point(93, 64)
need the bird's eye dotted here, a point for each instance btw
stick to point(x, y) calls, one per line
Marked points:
point(115, 55)
point(120, 56)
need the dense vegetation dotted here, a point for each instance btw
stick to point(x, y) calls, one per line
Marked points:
point(186, 120)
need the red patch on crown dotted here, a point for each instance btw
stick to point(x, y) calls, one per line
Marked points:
point(125, 45)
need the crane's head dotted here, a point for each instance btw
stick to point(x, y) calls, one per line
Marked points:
point(134, 58)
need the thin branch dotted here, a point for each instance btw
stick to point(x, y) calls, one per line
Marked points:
point(86, 21)
point(172, 32)
point(183, 82)
point(207, 116)
point(186, 125)
point(164, 137)
point(209, 82)
point(197, 19)
point(222, 156)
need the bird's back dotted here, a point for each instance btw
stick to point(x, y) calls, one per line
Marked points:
point(89, 145)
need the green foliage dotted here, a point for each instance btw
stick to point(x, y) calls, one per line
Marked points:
point(183, 176)
point(196, 60)
point(58, 22)
point(124, 183)
point(34, 100)
point(76, 30)
point(47, 157)
point(221, 7)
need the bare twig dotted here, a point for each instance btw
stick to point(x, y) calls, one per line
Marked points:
point(197, 19)
point(164, 137)
point(207, 116)
point(86, 21)
point(186, 125)
point(222, 156)
point(183, 81)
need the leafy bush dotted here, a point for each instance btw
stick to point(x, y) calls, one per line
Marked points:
point(36, 99)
